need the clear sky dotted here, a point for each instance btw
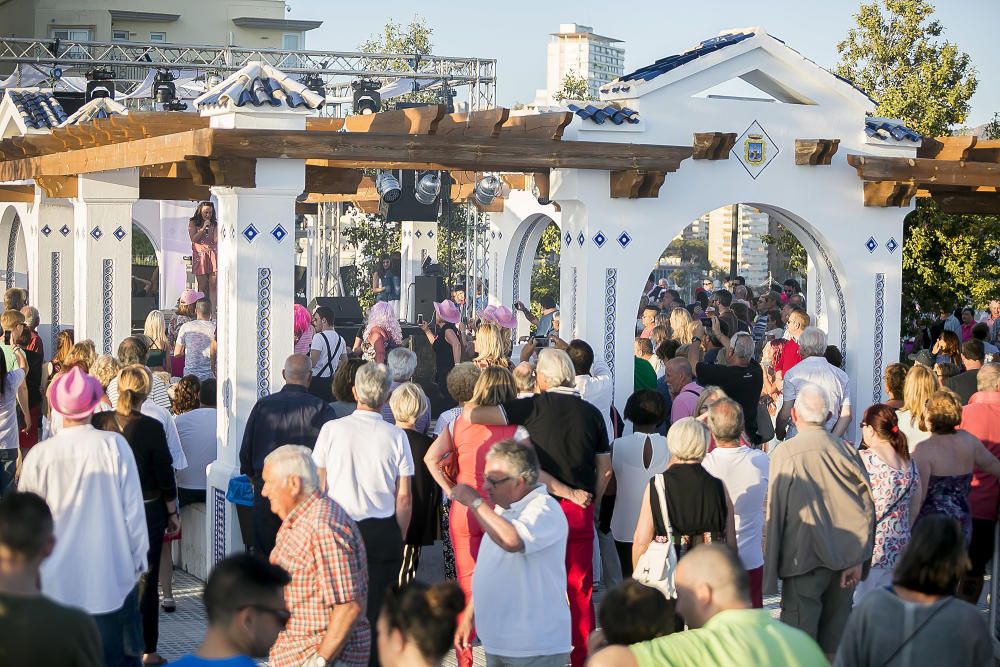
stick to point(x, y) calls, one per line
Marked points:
point(515, 32)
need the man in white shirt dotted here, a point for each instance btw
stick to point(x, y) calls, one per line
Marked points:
point(815, 369)
point(325, 352)
point(90, 481)
point(593, 378)
point(194, 342)
point(744, 473)
point(518, 603)
point(366, 467)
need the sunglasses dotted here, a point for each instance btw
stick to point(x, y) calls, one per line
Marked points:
point(282, 616)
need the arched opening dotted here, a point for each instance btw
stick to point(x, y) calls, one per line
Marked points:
point(545, 267)
point(532, 268)
point(15, 263)
point(145, 276)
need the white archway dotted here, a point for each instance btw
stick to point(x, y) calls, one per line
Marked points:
point(15, 268)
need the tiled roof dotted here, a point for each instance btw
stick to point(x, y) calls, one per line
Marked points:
point(99, 107)
point(258, 85)
point(39, 109)
point(886, 128)
point(664, 65)
point(612, 112)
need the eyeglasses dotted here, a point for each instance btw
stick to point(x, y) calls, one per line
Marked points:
point(788, 290)
point(496, 482)
point(282, 616)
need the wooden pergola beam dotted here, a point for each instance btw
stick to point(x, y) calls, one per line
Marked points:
point(231, 172)
point(974, 203)
point(181, 189)
point(925, 171)
point(486, 123)
point(17, 193)
point(537, 126)
point(713, 145)
point(815, 151)
point(58, 187)
point(331, 180)
point(947, 148)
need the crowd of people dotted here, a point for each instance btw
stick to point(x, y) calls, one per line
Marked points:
point(737, 469)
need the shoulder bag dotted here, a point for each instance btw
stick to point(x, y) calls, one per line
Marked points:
point(657, 565)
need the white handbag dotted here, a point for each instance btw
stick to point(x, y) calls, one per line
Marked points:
point(657, 565)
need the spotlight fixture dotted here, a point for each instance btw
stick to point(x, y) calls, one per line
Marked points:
point(487, 189)
point(428, 188)
point(367, 99)
point(212, 80)
point(100, 83)
point(387, 187)
point(314, 83)
point(164, 91)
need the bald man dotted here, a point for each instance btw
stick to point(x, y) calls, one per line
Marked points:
point(713, 595)
point(291, 416)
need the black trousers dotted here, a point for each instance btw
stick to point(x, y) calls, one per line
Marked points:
point(265, 524)
point(384, 549)
point(624, 550)
point(149, 607)
point(322, 388)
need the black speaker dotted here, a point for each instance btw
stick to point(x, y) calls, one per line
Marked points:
point(407, 207)
point(427, 290)
point(346, 309)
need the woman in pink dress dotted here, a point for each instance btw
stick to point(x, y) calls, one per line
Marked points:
point(461, 459)
point(203, 228)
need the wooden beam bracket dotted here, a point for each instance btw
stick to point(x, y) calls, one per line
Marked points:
point(815, 151)
point(713, 145)
point(230, 172)
point(889, 193)
point(58, 187)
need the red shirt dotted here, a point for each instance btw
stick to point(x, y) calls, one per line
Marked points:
point(35, 344)
point(789, 356)
point(981, 418)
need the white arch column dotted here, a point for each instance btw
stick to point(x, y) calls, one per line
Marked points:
point(51, 252)
point(102, 270)
point(418, 241)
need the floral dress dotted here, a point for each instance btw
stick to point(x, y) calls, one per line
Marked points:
point(891, 490)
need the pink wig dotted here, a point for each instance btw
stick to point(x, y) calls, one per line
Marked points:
point(301, 319)
point(383, 316)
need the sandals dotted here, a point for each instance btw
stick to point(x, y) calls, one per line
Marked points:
point(158, 660)
point(168, 605)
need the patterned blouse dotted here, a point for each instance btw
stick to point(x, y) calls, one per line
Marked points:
point(891, 490)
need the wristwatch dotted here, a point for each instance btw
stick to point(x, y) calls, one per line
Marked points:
point(474, 505)
point(315, 660)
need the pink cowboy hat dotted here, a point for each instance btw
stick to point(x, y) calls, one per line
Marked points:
point(506, 317)
point(448, 311)
point(489, 313)
point(190, 296)
point(75, 394)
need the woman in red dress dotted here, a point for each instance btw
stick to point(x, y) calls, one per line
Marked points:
point(203, 228)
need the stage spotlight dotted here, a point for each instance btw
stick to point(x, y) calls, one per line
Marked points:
point(367, 99)
point(487, 189)
point(100, 83)
point(387, 187)
point(428, 188)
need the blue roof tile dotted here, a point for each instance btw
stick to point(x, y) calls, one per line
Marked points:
point(614, 113)
point(260, 85)
point(881, 128)
point(40, 110)
point(664, 65)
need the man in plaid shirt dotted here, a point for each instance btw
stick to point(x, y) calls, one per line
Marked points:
point(320, 547)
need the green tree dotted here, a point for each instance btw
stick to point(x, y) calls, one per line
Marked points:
point(895, 55)
point(573, 87)
point(790, 249)
point(373, 237)
point(412, 40)
point(545, 272)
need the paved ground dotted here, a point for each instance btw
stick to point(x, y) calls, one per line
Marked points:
point(182, 631)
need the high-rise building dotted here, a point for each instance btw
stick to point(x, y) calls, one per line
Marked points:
point(576, 48)
point(751, 253)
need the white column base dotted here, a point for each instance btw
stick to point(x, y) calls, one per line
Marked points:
point(222, 526)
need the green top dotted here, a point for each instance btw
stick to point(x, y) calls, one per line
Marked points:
point(645, 376)
point(731, 638)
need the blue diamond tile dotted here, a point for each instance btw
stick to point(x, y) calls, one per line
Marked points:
point(64, 230)
point(430, 233)
point(120, 233)
point(569, 238)
point(624, 239)
point(46, 230)
point(96, 233)
point(500, 235)
point(871, 244)
point(279, 233)
point(581, 239)
point(418, 233)
point(600, 239)
point(891, 245)
point(493, 235)
point(250, 233)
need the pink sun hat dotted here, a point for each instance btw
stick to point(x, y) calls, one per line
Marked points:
point(75, 394)
point(190, 296)
point(489, 313)
point(448, 311)
point(506, 317)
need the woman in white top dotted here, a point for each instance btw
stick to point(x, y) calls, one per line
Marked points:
point(12, 389)
point(635, 458)
point(920, 385)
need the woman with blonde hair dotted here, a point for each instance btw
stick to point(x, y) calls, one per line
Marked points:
point(106, 369)
point(679, 320)
point(148, 442)
point(490, 346)
point(920, 384)
point(155, 331)
point(83, 355)
point(460, 458)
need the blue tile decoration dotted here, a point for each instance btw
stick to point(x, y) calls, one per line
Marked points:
point(572, 301)
point(263, 332)
point(218, 525)
point(418, 233)
point(260, 85)
point(108, 309)
point(46, 230)
point(227, 393)
point(519, 258)
point(616, 114)
point(664, 65)
point(610, 316)
point(891, 245)
point(279, 233)
point(877, 359)
point(624, 239)
point(15, 227)
point(430, 233)
point(569, 238)
point(581, 239)
point(65, 230)
point(886, 129)
point(600, 239)
point(250, 233)
point(39, 110)
point(55, 279)
point(499, 235)
point(120, 233)
point(493, 234)
point(96, 233)
point(755, 150)
point(819, 297)
point(871, 244)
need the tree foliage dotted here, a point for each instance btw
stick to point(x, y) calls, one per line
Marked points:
point(795, 256)
point(373, 237)
point(545, 272)
point(895, 55)
point(413, 40)
point(574, 86)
